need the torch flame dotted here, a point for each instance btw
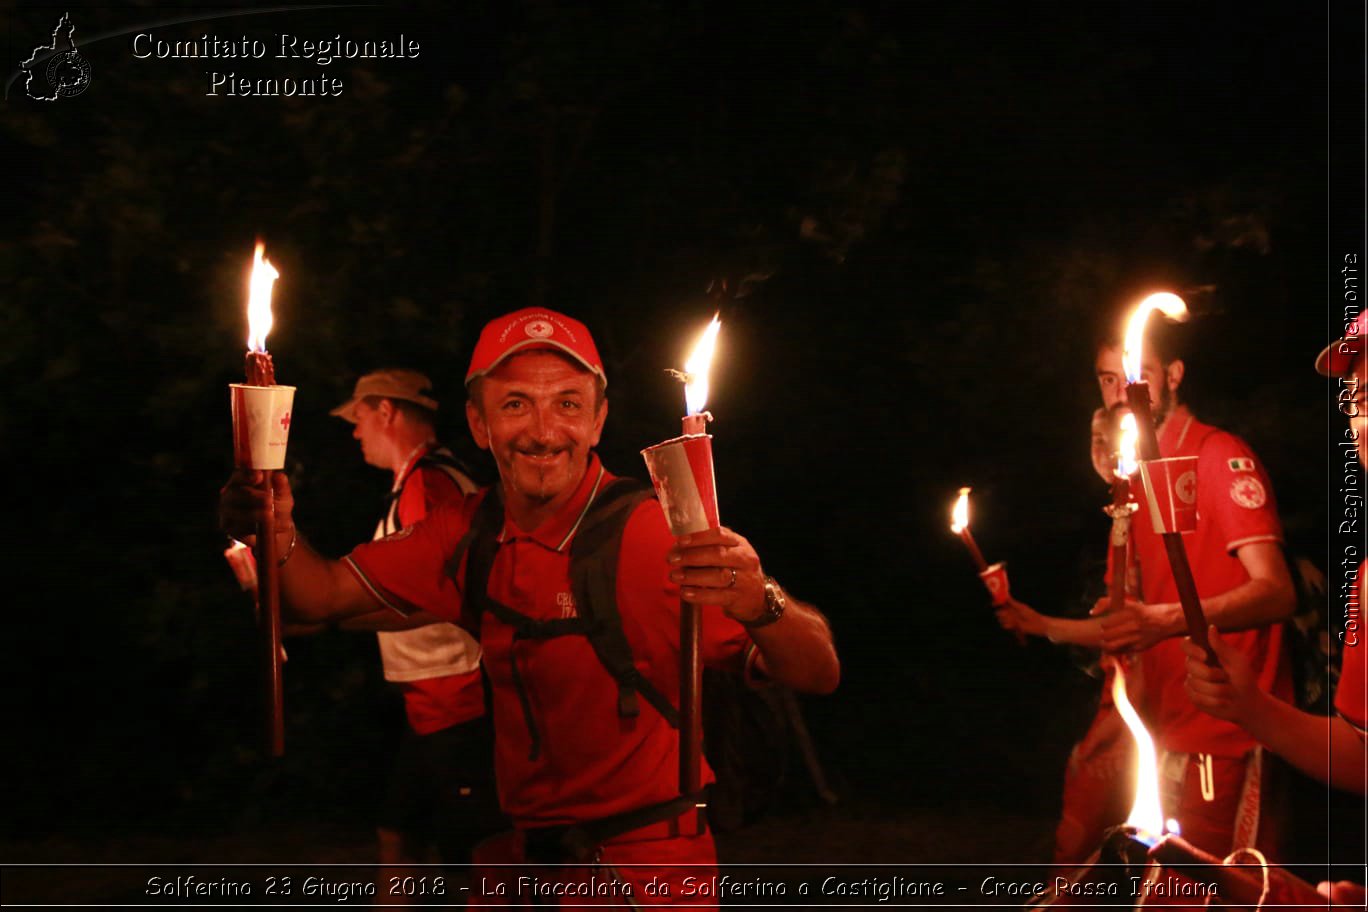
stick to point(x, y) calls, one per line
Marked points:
point(1170, 305)
point(1146, 814)
point(959, 516)
point(696, 369)
point(259, 300)
point(1126, 463)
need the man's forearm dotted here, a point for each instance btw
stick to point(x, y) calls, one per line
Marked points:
point(1253, 603)
point(315, 590)
point(1077, 631)
point(798, 651)
point(1327, 749)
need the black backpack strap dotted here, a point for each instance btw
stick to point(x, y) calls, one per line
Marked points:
point(445, 460)
point(439, 458)
point(478, 544)
point(477, 549)
point(593, 578)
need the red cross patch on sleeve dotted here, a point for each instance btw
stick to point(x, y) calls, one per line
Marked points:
point(1248, 493)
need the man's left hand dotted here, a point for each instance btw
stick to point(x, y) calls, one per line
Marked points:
point(719, 567)
point(1133, 627)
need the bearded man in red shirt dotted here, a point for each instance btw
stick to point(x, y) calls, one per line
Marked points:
point(1210, 768)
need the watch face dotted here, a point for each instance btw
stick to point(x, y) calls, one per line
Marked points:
point(774, 597)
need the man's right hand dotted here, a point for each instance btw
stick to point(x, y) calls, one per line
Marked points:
point(1136, 626)
point(1019, 617)
point(1227, 691)
point(242, 503)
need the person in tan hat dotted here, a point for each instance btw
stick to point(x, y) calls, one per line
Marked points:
point(441, 787)
point(574, 582)
point(408, 394)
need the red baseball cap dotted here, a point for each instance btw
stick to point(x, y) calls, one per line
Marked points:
point(1338, 358)
point(534, 329)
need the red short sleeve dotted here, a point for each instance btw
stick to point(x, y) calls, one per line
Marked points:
point(407, 571)
point(1234, 493)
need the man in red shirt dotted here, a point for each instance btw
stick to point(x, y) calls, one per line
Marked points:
point(441, 789)
point(1210, 769)
point(570, 759)
point(1332, 749)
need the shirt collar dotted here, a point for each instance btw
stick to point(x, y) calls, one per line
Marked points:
point(1176, 428)
point(410, 461)
point(555, 534)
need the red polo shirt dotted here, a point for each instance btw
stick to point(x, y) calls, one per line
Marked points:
point(592, 762)
point(1235, 507)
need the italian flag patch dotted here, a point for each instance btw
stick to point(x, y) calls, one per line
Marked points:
point(1241, 464)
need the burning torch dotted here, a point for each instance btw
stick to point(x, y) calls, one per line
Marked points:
point(994, 576)
point(1136, 854)
point(1130, 843)
point(261, 430)
point(682, 473)
point(1120, 510)
point(1244, 878)
point(1145, 827)
point(1170, 485)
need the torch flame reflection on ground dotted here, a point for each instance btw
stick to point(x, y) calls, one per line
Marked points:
point(259, 300)
point(1146, 815)
point(696, 369)
point(1170, 305)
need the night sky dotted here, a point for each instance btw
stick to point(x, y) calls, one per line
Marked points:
point(934, 211)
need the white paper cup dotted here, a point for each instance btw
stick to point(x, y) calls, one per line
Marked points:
point(682, 472)
point(1171, 493)
point(261, 425)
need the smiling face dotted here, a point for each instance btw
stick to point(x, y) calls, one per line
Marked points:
point(539, 415)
